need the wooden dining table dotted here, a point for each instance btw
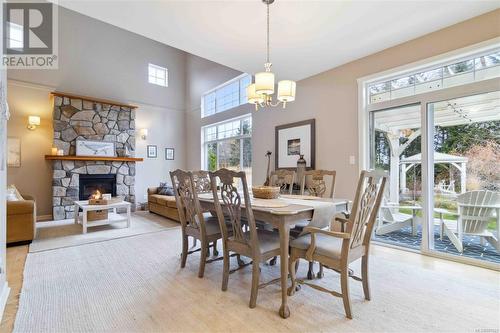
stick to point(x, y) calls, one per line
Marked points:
point(282, 218)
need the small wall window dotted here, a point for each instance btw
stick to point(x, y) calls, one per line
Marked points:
point(158, 75)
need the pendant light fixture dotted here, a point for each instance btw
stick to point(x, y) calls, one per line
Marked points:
point(261, 91)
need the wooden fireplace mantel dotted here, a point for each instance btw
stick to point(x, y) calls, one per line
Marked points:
point(92, 158)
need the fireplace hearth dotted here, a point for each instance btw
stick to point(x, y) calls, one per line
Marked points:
point(89, 184)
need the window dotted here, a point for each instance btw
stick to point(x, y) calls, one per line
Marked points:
point(452, 74)
point(226, 96)
point(158, 75)
point(229, 145)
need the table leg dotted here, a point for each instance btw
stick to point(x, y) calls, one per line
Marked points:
point(77, 208)
point(84, 221)
point(284, 230)
point(128, 216)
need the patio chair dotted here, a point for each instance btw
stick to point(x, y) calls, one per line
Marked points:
point(475, 209)
point(390, 220)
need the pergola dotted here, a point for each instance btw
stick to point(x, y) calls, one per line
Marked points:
point(406, 122)
point(458, 162)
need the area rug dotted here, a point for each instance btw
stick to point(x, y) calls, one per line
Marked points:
point(65, 233)
point(135, 284)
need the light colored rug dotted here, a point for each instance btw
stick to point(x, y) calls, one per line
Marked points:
point(135, 284)
point(65, 233)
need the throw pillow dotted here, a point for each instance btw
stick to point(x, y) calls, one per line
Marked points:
point(166, 189)
point(12, 193)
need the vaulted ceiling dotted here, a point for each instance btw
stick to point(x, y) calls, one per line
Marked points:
point(307, 37)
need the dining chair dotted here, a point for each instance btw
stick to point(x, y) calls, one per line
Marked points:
point(194, 223)
point(283, 179)
point(257, 244)
point(315, 183)
point(336, 250)
point(202, 185)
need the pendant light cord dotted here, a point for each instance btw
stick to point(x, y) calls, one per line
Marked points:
point(268, 32)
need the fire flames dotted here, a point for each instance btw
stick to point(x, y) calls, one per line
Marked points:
point(96, 195)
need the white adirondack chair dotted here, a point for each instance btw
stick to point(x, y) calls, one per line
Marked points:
point(389, 219)
point(475, 209)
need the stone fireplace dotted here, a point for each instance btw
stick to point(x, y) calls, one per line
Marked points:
point(79, 118)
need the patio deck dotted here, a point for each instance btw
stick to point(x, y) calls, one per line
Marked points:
point(472, 245)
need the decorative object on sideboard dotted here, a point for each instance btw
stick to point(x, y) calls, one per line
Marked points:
point(152, 151)
point(53, 151)
point(13, 152)
point(261, 91)
point(169, 154)
point(295, 139)
point(301, 168)
point(95, 148)
point(143, 133)
point(33, 122)
point(60, 152)
point(268, 172)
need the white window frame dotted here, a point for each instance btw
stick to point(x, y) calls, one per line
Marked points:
point(155, 78)
point(365, 109)
point(214, 90)
point(205, 143)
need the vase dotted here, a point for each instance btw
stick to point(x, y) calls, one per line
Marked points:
point(301, 167)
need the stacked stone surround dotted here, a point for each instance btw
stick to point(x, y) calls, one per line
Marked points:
point(76, 119)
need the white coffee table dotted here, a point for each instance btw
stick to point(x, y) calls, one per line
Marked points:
point(113, 217)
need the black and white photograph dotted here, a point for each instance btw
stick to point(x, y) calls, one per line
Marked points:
point(152, 151)
point(169, 153)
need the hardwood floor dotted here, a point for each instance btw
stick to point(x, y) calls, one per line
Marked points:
point(16, 258)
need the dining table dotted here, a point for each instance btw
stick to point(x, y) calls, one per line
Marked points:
point(283, 213)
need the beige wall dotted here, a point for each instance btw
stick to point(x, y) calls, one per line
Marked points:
point(34, 177)
point(331, 98)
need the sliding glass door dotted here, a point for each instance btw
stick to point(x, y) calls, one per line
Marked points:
point(396, 148)
point(466, 177)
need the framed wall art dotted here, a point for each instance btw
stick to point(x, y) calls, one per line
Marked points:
point(95, 148)
point(292, 141)
point(13, 152)
point(152, 151)
point(169, 154)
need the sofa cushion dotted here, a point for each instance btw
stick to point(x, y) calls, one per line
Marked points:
point(13, 194)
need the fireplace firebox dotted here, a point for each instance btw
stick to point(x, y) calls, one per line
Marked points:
point(89, 184)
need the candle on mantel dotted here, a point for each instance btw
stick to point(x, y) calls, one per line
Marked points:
point(54, 151)
point(60, 152)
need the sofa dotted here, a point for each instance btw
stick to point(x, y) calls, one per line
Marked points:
point(163, 205)
point(21, 219)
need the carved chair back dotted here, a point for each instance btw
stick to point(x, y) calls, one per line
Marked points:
point(284, 179)
point(186, 198)
point(229, 205)
point(202, 181)
point(314, 183)
point(365, 207)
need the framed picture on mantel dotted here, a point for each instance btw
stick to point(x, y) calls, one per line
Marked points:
point(292, 141)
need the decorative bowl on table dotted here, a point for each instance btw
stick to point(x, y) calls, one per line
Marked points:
point(265, 192)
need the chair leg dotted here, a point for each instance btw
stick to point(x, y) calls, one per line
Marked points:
point(310, 272)
point(364, 277)
point(215, 252)
point(344, 282)
point(203, 258)
point(225, 271)
point(255, 282)
point(293, 266)
point(185, 244)
point(320, 273)
point(240, 261)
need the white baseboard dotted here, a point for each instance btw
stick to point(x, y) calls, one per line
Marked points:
point(4, 295)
